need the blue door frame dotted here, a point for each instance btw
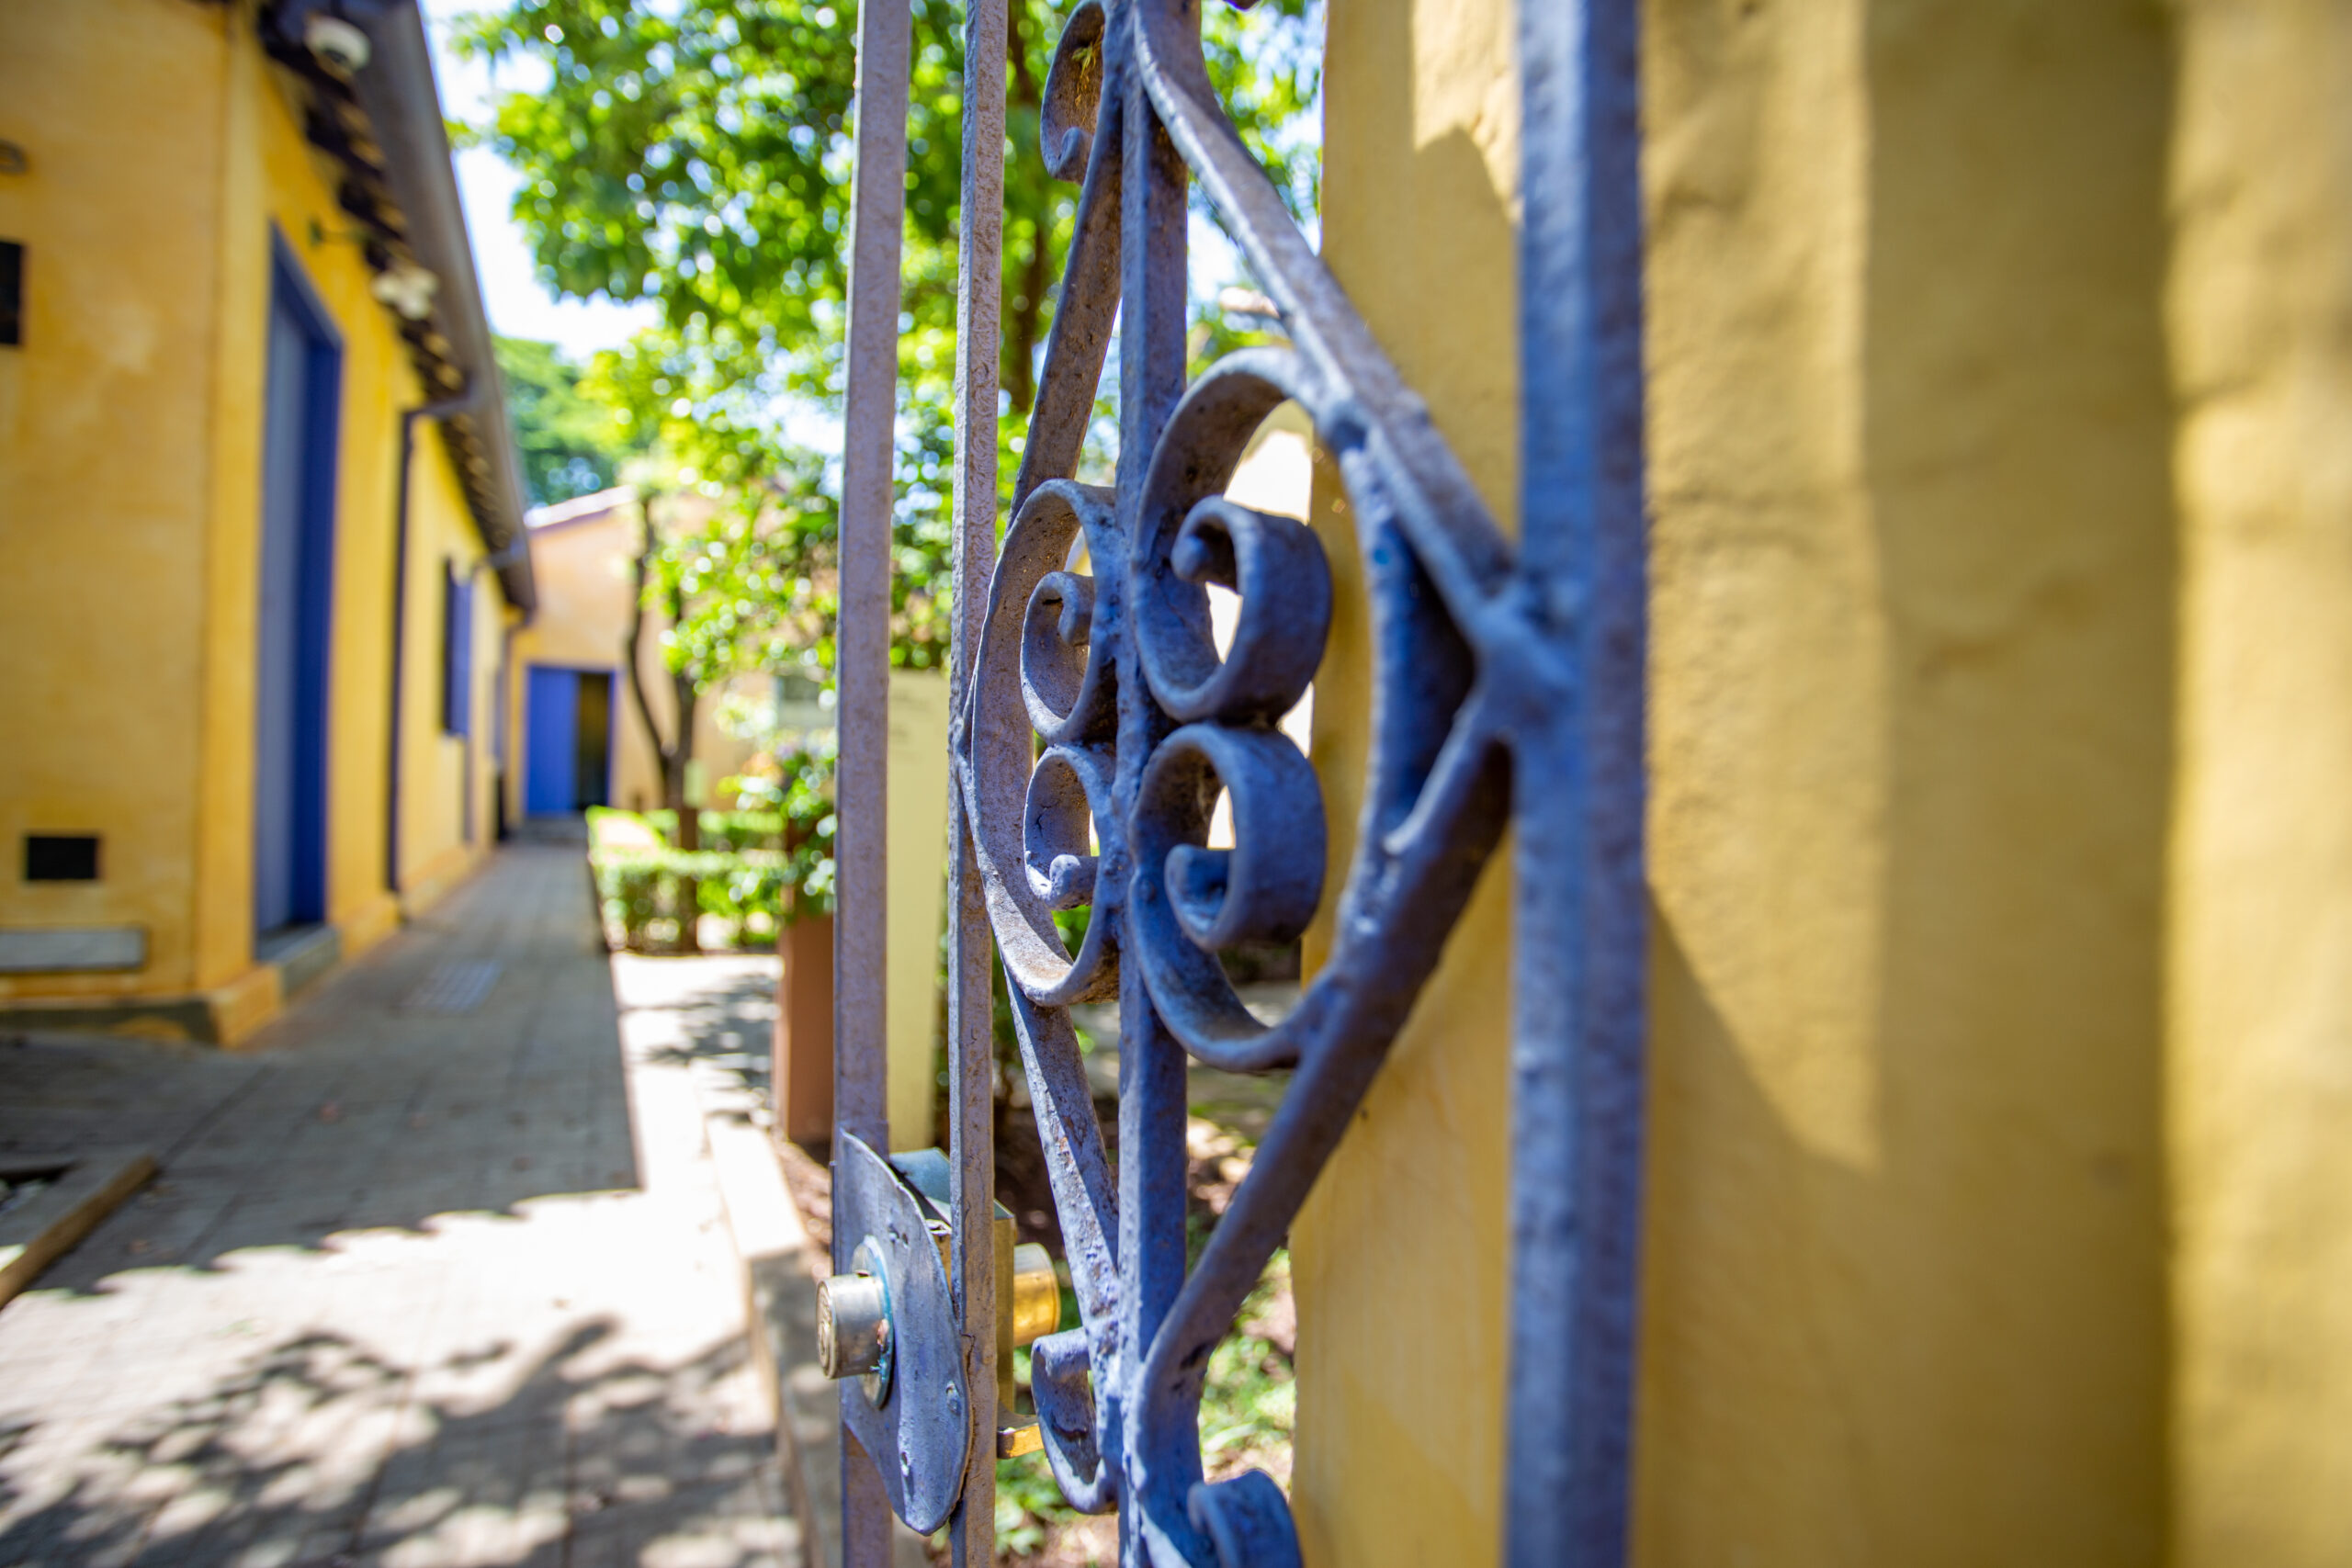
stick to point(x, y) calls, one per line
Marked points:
point(301, 408)
point(551, 738)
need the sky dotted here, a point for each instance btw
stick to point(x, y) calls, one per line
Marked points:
point(518, 304)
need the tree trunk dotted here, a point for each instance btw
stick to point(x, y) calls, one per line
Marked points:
point(1024, 321)
point(674, 774)
point(689, 814)
point(673, 755)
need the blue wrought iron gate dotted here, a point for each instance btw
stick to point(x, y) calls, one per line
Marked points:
point(1100, 701)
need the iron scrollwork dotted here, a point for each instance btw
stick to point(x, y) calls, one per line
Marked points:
point(1102, 720)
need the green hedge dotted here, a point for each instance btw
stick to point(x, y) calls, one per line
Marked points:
point(758, 870)
point(643, 892)
point(723, 829)
point(756, 891)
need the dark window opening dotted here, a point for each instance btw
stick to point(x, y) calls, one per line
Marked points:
point(592, 741)
point(60, 857)
point(12, 293)
point(456, 651)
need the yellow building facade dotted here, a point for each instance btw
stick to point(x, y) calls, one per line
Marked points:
point(1999, 442)
point(581, 555)
point(241, 271)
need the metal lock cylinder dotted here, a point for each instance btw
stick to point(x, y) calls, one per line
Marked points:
point(855, 1337)
point(853, 1325)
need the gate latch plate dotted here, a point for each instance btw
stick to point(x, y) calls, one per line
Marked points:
point(920, 1432)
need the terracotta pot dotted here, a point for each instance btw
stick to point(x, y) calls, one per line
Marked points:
point(801, 1068)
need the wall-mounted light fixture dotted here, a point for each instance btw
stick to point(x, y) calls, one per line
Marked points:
point(407, 289)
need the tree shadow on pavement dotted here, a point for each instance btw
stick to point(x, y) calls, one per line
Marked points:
point(322, 1450)
point(714, 1016)
point(365, 1106)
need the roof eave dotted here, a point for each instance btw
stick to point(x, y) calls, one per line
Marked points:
point(403, 186)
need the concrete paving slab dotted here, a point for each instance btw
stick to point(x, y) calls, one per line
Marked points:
point(416, 1289)
point(711, 1017)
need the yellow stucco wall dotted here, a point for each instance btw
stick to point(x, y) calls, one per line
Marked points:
point(119, 316)
point(441, 835)
point(1399, 1259)
point(914, 855)
point(163, 151)
point(1912, 699)
point(2260, 988)
point(582, 572)
point(1912, 702)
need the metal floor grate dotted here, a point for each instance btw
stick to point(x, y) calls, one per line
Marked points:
point(452, 988)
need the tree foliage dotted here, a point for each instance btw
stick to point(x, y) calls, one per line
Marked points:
point(697, 156)
point(572, 445)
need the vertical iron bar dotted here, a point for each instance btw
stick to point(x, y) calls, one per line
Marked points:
point(1579, 1003)
point(1151, 1061)
point(863, 670)
point(861, 1062)
point(970, 1008)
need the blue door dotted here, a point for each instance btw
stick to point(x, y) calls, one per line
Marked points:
point(550, 710)
point(567, 752)
point(296, 575)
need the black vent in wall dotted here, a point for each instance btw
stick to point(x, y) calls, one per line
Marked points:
point(60, 857)
point(12, 293)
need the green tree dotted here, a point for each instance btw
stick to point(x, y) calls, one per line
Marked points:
point(697, 156)
point(571, 443)
point(735, 549)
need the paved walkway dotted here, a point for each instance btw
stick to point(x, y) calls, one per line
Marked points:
point(438, 1274)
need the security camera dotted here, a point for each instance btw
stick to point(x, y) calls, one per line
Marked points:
point(339, 46)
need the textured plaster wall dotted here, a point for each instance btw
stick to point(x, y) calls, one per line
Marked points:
point(437, 769)
point(582, 572)
point(273, 182)
point(1913, 694)
point(105, 459)
point(164, 151)
point(916, 857)
point(230, 527)
point(2260, 308)
point(1912, 703)
point(1400, 1255)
